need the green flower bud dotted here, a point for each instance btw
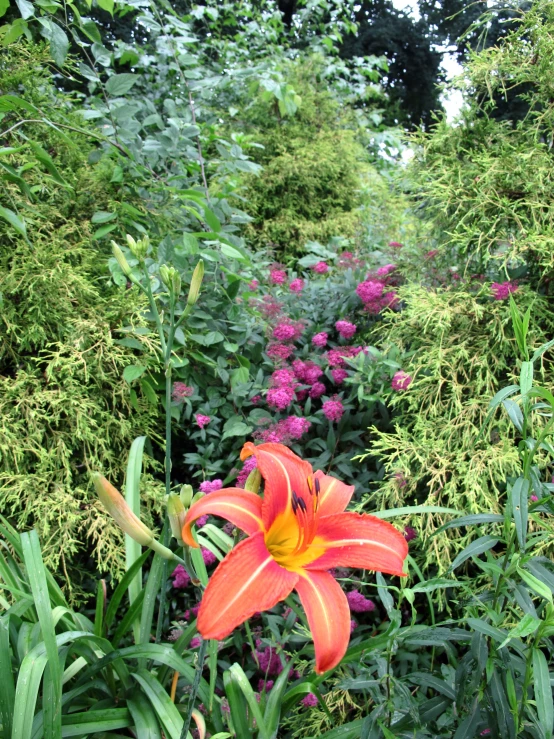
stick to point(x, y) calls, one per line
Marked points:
point(195, 283)
point(186, 495)
point(138, 248)
point(164, 275)
point(253, 481)
point(120, 258)
point(176, 513)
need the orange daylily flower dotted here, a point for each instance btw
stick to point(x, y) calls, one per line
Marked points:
point(296, 533)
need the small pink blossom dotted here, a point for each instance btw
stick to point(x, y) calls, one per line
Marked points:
point(196, 641)
point(208, 557)
point(202, 420)
point(333, 409)
point(191, 613)
point(265, 685)
point(502, 290)
point(336, 357)
point(320, 339)
point(284, 332)
point(269, 307)
point(369, 290)
point(345, 329)
point(297, 285)
point(181, 391)
point(533, 498)
point(359, 603)
point(283, 377)
point(277, 276)
point(400, 479)
point(256, 399)
point(280, 397)
point(309, 701)
point(353, 625)
point(180, 577)
point(431, 254)
point(390, 300)
point(339, 376)
point(386, 270)
point(210, 486)
point(318, 388)
point(279, 352)
point(321, 268)
point(253, 284)
point(249, 465)
point(395, 244)
point(401, 380)
point(410, 533)
point(202, 521)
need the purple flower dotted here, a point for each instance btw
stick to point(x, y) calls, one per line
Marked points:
point(196, 641)
point(210, 486)
point(400, 479)
point(284, 332)
point(268, 659)
point(410, 533)
point(202, 420)
point(333, 409)
point(345, 329)
point(280, 397)
point(318, 388)
point(386, 270)
point(395, 244)
point(401, 381)
point(309, 701)
point(353, 625)
point(283, 378)
point(253, 284)
point(277, 276)
point(321, 268)
point(278, 352)
point(431, 254)
point(339, 376)
point(181, 391)
point(297, 285)
point(249, 465)
point(296, 426)
point(208, 557)
point(359, 603)
point(369, 290)
point(265, 685)
point(202, 521)
point(533, 498)
point(502, 290)
point(320, 339)
point(180, 577)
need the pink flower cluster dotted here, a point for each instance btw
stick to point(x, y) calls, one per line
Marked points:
point(345, 329)
point(210, 486)
point(336, 357)
point(386, 270)
point(279, 352)
point(395, 244)
point(249, 465)
point(339, 376)
point(320, 339)
point(181, 577)
point(284, 332)
point(284, 431)
point(297, 285)
point(502, 290)
point(401, 380)
point(181, 391)
point(208, 557)
point(202, 420)
point(269, 307)
point(268, 659)
point(410, 533)
point(359, 603)
point(306, 372)
point(333, 409)
point(309, 701)
point(321, 268)
point(373, 294)
point(277, 276)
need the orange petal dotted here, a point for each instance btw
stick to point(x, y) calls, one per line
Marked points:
point(241, 508)
point(334, 495)
point(359, 540)
point(328, 615)
point(248, 580)
point(283, 471)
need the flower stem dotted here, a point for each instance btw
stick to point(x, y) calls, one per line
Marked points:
point(195, 684)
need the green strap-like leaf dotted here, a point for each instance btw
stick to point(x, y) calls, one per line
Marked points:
point(162, 704)
point(543, 692)
point(132, 496)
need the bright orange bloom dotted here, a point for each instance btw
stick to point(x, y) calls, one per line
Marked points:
point(297, 532)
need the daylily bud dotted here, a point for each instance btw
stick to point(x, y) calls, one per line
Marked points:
point(196, 497)
point(164, 274)
point(171, 278)
point(117, 507)
point(176, 513)
point(195, 283)
point(131, 243)
point(120, 258)
point(138, 248)
point(253, 481)
point(186, 495)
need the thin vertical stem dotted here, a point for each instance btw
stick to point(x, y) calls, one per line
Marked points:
point(195, 684)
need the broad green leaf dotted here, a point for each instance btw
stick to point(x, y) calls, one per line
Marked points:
point(120, 84)
point(235, 426)
point(104, 231)
point(528, 625)
point(144, 717)
point(212, 220)
point(535, 584)
point(106, 5)
point(4, 5)
point(239, 376)
point(514, 412)
point(103, 216)
point(59, 44)
point(543, 692)
point(520, 503)
point(479, 546)
point(164, 708)
point(46, 160)
point(25, 8)
point(526, 377)
point(39, 587)
point(14, 220)
point(133, 372)
point(232, 253)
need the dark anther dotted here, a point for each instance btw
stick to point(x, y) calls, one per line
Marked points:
point(301, 504)
point(317, 487)
point(294, 502)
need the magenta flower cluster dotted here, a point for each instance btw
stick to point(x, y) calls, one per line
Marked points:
point(181, 391)
point(297, 285)
point(202, 420)
point(321, 268)
point(249, 465)
point(277, 276)
point(359, 603)
point(181, 577)
point(345, 329)
point(210, 486)
point(284, 431)
point(401, 380)
point(503, 290)
point(320, 339)
point(333, 409)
